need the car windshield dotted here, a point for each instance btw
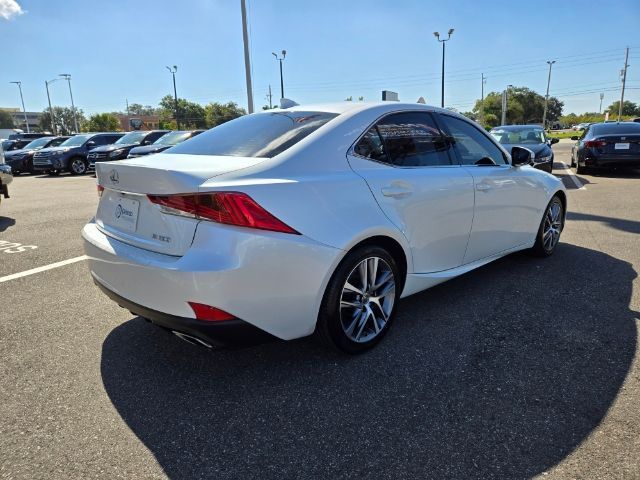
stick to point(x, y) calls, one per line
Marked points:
point(133, 138)
point(172, 138)
point(37, 143)
point(75, 141)
point(259, 135)
point(519, 136)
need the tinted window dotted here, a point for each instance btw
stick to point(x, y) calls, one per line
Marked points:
point(257, 135)
point(153, 136)
point(472, 145)
point(615, 129)
point(410, 139)
point(56, 142)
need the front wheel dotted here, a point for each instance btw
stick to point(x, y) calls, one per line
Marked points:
point(360, 302)
point(550, 229)
point(77, 166)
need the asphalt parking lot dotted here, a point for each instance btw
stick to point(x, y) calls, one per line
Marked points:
point(522, 368)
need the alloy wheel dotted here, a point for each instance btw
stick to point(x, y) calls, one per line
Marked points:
point(552, 226)
point(78, 166)
point(367, 299)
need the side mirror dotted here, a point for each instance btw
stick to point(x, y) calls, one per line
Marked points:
point(521, 156)
point(575, 137)
point(554, 140)
point(91, 144)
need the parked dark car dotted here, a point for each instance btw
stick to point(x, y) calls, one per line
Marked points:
point(5, 177)
point(71, 155)
point(166, 141)
point(607, 145)
point(123, 146)
point(21, 161)
point(10, 145)
point(29, 136)
point(532, 137)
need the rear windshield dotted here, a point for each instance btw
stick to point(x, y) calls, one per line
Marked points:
point(258, 135)
point(616, 129)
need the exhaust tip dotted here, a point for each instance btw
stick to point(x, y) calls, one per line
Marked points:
point(191, 339)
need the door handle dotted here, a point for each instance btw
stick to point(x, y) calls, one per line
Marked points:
point(395, 192)
point(483, 187)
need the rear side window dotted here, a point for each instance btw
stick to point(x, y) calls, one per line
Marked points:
point(258, 135)
point(408, 139)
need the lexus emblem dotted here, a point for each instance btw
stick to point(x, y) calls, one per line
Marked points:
point(113, 176)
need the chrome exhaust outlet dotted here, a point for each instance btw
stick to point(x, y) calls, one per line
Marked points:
point(191, 339)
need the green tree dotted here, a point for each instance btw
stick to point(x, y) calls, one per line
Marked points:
point(6, 120)
point(523, 106)
point(139, 109)
point(191, 114)
point(219, 113)
point(63, 120)
point(102, 122)
point(628, 108)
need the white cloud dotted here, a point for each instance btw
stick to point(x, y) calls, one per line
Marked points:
point(9, 9)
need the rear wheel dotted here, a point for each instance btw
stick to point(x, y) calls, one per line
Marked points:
point(580, 170)
point(360, 302)
point(77, 166)
point(550, 229)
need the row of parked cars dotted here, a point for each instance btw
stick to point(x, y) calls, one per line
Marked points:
point(77, 154)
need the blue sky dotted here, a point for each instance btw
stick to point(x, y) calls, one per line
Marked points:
point(117, 50)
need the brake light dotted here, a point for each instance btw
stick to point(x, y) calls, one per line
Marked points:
point(595, 143)
point(208, 313)
point(231, 208)
point(100, 189)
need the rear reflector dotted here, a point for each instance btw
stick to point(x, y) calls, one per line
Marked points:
point(100, 190)
point(231, 208)
point(208, 313)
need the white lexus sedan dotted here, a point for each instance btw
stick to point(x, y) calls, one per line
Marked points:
point(313, 218)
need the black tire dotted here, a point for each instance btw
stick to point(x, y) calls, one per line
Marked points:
point(581, 170)
point(30, 168)
point(330, 329)
point(540, 248)
point(77, 166)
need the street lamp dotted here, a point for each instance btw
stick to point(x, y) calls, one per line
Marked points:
point(67, 77)
point(175, 93)
point(505, 95)
point(601, 97)
point(280, 59)
point(53, 120)
point(546, 98)
point(443, 41)
point(26, 122)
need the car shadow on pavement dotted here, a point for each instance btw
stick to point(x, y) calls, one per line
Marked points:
point(630, 226)
point(500, 373)
point(6, 222)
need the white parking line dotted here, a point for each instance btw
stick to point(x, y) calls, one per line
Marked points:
point(42, 269)
point(579, 185)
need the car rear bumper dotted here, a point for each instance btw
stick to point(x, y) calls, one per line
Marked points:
point(272, 281)
point(613, 161)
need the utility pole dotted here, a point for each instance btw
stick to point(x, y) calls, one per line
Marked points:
point(67, 77)
point(546, 97)
point(484, 80)
point(280, 59)
point(26, 122)
point(269, 96)
point(247, 61)
point(505, 94)
point(443, 41)
point(175, 94)
point(128, 116)
point(601, 97)
point(624, 81)
point(53, 120)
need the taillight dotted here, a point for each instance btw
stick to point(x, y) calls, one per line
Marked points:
point(100, 190)
point(208, 313)
point(595, 143)
point(231, 208)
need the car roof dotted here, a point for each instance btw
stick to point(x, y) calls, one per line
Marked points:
point(346, 106)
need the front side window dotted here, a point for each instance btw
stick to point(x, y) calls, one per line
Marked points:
point(408, 139)
point(472, 146)
point(259, 135)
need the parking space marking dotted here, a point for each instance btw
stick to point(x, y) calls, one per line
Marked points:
point(579, 185)
point(43, 268)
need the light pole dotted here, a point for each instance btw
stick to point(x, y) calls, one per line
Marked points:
point(484, 80)
point(623, 74)
point(546, 97)
point(67, 77)
point(53, 120)
point(505, 95)
point(600, 108)
point(175, 93)
point(280, 59)
point(443, 41)
point(26, 122)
